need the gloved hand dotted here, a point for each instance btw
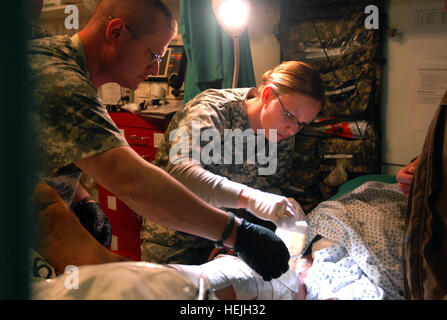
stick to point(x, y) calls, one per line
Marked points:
point(94, 220)
point(262, 250)
point(282, 211)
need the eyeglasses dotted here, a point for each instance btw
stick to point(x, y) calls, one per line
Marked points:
point(156, 58)
point(290, 118)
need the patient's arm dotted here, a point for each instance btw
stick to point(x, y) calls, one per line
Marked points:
point(298, 266)
point(227, 293)
point(231, 279)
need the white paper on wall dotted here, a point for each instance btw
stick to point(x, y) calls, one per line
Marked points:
point(428, 15)
point(428, 85)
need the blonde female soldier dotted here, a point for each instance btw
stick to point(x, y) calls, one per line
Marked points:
point(198, 151)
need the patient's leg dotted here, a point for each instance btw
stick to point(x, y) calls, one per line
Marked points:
point(62, 240)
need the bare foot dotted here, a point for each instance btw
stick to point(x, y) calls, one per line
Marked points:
point(62, 239)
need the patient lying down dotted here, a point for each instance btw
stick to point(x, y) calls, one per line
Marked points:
point(352, 250)
point(358, 258)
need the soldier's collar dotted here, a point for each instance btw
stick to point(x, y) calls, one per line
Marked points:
point(80, 48)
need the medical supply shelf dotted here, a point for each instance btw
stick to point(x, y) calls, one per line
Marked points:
point(336, 38)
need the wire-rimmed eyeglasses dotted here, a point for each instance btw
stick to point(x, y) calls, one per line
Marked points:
point(156, 58)
point(290, 118)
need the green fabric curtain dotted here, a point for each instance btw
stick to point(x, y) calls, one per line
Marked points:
point(210, 51)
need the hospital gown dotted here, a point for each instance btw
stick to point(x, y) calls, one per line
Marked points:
point(365, 262)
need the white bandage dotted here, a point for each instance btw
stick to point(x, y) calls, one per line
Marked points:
point(226, 271)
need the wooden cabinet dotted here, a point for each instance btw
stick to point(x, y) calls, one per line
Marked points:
point(144, 135)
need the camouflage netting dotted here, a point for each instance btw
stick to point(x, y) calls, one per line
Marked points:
point(339, 24)
point(358, 86)
point(331, 35)
point(346, 41)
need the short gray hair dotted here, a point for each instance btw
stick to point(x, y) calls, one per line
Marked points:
point(136, 12)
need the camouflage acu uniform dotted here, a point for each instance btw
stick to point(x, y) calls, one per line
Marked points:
point(69, 121)
point(38, 32)
point(217, 110)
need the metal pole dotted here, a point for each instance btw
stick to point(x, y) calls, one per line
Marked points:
point(236, 61)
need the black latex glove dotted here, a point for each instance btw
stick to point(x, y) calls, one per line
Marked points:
point(95, 221)
point(262, 250)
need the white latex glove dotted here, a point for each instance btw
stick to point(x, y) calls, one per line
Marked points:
point(283, 212)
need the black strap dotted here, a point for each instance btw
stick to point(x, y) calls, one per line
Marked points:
point(226, 233)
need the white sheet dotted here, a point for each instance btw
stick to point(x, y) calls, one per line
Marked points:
point(116, 281)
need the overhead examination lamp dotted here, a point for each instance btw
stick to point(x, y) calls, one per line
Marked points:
point(232, 15)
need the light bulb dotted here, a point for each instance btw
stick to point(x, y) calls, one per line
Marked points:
point(234, 13)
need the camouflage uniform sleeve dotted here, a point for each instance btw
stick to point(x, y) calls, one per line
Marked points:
point(37, 32)
point(72, 124)
point(205, 112)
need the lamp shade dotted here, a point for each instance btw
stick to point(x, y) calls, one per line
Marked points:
point(232, 15)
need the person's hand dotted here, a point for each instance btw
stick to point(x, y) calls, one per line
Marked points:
point(405, 177)
point(282, 211)
point(262, 250)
